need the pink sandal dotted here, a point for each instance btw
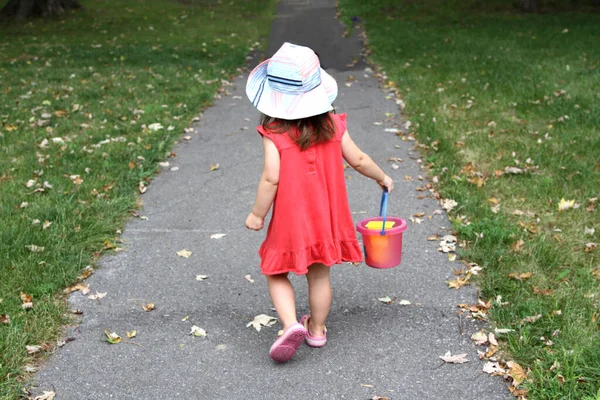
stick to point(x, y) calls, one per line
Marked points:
point(285, 346)
point(313, 341)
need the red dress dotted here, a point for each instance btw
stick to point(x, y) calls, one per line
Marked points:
point(311, 220)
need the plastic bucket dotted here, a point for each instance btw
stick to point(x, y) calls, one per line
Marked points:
point(383, 248)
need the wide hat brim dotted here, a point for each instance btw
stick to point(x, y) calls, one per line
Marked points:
point(290, 106)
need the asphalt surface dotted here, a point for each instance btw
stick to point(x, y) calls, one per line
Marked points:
point(374, 349)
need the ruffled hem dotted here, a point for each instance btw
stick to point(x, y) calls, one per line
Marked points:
point(275, 262)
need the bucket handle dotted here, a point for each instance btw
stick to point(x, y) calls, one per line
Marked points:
point(383, 209)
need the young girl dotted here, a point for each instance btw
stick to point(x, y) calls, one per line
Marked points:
point(311, 226)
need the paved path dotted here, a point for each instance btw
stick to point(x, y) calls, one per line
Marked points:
point(373, 349)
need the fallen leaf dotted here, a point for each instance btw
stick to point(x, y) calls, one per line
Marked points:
point(448, 204)
point(155, 126)
point(454, 359)
point(185, 318)
point(516, 372)
point(531, 319)
point(33, 349)
point(480, 338)
point(78, 287)
point(404, 303)
point(97, 296)
point(564, 205)
point(46, 225)
point(261, 320)
point(517, 245)
point(5, 319)
point(197, 331)
point(451, 257)
point(493, 368)
point(184, 253)
point(386, 299)
point(419, 215)
point(366, 385)
point(131, 335)
point(34, 248)
point(249, 278)
point(521, 276)
point(589, 231)
point(503, 330)
point(148, 307)
point(112, 338)
point(29, 368)
point(201, 277)
point(142, 187)
point(218, 235)
point(214, 167)
point(590, 247)
point(45, 396)
point(459, 282)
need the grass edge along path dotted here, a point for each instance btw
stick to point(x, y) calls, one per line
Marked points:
point(91, 104)
point(501, 104)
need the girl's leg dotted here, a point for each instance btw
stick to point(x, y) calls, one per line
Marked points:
point(319, 298)
point(282, 295)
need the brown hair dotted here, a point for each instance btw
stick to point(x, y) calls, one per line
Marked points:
point(309, 131)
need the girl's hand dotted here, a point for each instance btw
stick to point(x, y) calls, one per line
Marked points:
point(255, 223)
point(387, 182)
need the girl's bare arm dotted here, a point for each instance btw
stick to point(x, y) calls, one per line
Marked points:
point(361, 162)
point(267, 187)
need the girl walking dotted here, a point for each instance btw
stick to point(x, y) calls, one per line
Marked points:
point(311, 226)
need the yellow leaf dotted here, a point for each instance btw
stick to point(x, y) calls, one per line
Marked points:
point(131, 334)
point(148, 307)
point(184, 253)
point(214, 167)
point(565, 204)
point(112, 338)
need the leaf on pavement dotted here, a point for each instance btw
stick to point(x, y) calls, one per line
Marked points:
point(197, 331)
point(45, 396)
point(132, 334)
point(261, 320)
point(112, 338)
point(97, 296)
point(201, 277)
point(249, 278)
point(214, 167)
point(148, 307)
point(479, 338)
point(493, 368)
point(459, 282)
point(454, 359)
point(387, 299)
point(218, 235)
point(184, 253)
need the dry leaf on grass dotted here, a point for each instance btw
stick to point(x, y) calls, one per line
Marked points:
point(5, 319)
point(531, 319)
point(454, 359)
point(184, 253)
point(521, 276)
point(448, 204)
point(33, 349)
point(261, 320)
point(564, 205)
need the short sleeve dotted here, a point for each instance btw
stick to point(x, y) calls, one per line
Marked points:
point(278, 139)
point(340, 125)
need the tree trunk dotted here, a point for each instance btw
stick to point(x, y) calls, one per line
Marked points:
point(529, 6)
point(23, 9)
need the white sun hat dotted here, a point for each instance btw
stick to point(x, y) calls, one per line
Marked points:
point(291, 85)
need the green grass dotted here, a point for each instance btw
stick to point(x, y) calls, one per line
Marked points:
point(496, 88)
point(78, 96)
